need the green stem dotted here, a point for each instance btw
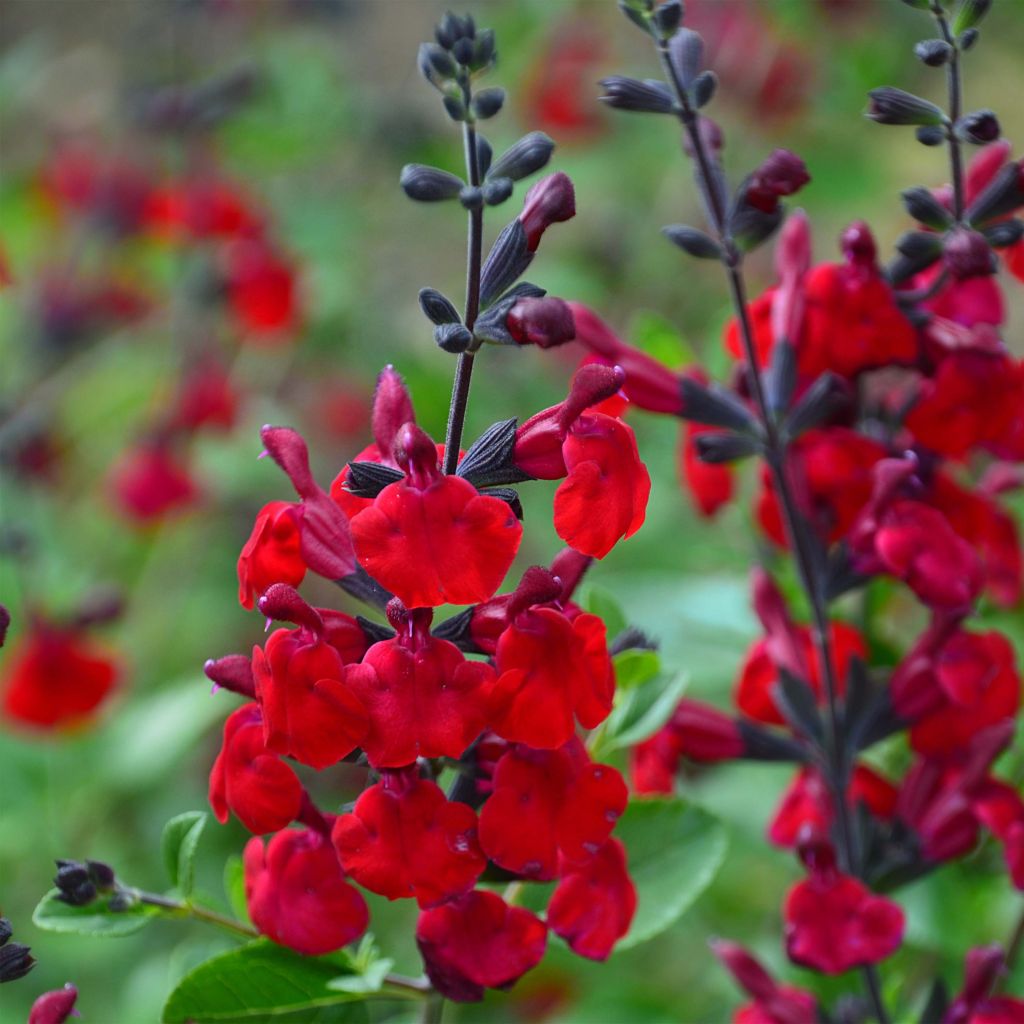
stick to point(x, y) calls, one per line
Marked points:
point(433, 1009)
point(181, 908)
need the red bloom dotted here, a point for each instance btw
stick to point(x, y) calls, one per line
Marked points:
point(979, 686)
point(549, 201)
point(808, 803)
point(782, 173)
point(1000, 808)
point(205, 398)
point(403, 838)
point(974, 1004)
point(54, 1007)
point(710, 485)
point(551, 671)
point(263, 792)
point(309, 712)
point(478, 942)
point(203, 207)
point(773, 1003)
point(424, 699)
point(261, 290)
point(834, 923)
point(973, 400)
point(594, 903)
point(298, 896)
point(755, 688)
point(149, 482)
point(56, 676)
point(432, 538)
point(990, 530)
point(272, 554)
point(934, 802)
point(653, 763)
point(549, 802)
point(604, 497)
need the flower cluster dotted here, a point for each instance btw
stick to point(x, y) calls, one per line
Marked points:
point(469, 729)
point(889, 414)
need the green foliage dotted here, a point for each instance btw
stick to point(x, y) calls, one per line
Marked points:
point(259, 983)
point(368, 966)
point(675, 849)
point(639, 712)
point(179, 844)
point(95, 919)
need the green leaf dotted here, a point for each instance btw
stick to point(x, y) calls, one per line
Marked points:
point(639, 713)
point(658, 337)
point(635, 667)
point(369, 966)
point(675, 849)
point(97, 919)
point(179, 843)
point(261, 983)
point(601, 603)
point(234, 886)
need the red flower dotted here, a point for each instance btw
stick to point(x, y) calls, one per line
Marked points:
point(755, 695)
point(297, 894)
point(261, 290)
point(551, 671)
point(403, 838)
point(423, 698)
point(272, 554)
point(972, 401)
point(432, 538)
point(205, 398)
point(604, 497)
point(325, 543)
point(710, 485)
point(549, 802)
point(594, 902)
point(263, 792)
point(974, 1004)
point(56, 676)
point(834, 923)
point(54, 1007)
point(149, 482)
point(782, 173)
point(808, 802)
point(934, 802)
point(1000, 808)
point(550, 201)
point(200, 208)
point(309, 713)
point(478, 942)
point(978, 684)
point(773, 1003)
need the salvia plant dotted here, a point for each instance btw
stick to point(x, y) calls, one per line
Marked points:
point(885, 419)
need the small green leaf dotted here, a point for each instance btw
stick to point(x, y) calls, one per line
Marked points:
point(601, 603)
point(371, 980)
point(638, 714)
point(261, 983)
point(675, 849)
point(179, 843)
point(97, 919)
point(234, 887)
point(658, 337)
point(634, 668)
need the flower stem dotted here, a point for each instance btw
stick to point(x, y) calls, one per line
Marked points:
point(433, 1009)
point(837, 768)
point(180, 908)
point(474, 252)
point(955, 89)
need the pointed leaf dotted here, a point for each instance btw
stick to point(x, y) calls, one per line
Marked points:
point(179, 843)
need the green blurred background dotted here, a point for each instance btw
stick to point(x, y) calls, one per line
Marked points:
point(339, 108)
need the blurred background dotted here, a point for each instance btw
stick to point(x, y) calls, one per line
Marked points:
point(201, 231)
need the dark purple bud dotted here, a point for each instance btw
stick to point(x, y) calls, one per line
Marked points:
point(979, 127)
point(646, 97)
point(16, 961)
point(929, 135)
point(436, 65)
point(75, 885)
point(5, 622)
point(1005, 233)
point(704, 86)
point(686, 51)
point(667, 17)
point(711, 135)
point(782, 174)
point(523, 158)
point(471, 197)
point(543, 322)
point(922, 205)
point(488, 102)
point(1003, 195)
point(694, 242)
point(967, 254)
point(429, 184)
point(895, 106)
point(933, 52)
point(497, 190)
point(550, 201)
point(453, 337)
point(437, 309)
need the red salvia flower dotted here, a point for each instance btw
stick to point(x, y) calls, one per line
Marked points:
point(205, 399)
point(550, 201)
point(273, 552)
point(431, 538)
point(978, 686)
point(477, 942)
point(262, 791)
point(594, 902)
point(773, 1003)
point(710, 485)
point(975, 1004)
point(549, 802)
point(149, 482)
point(297, 893)
point(54, 1007)
point(551, 670)
point(262, 290)
point(403, 838)
point(935, 803)
point(833, 922)
point(423, 698)
point(202, 207)
point(56, 676)
point(309, 712)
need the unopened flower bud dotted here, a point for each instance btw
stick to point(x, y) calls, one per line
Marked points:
point(550, 201)
point(858, 245)
point(895, 106)
point(523, 158)
point(967, 254)
point(781, 174)
point(54, 1007)
point(978, 127)
point(75, 885)
point(647, 97)
point(543, 322)
point(488, 102)
point(933, 52)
